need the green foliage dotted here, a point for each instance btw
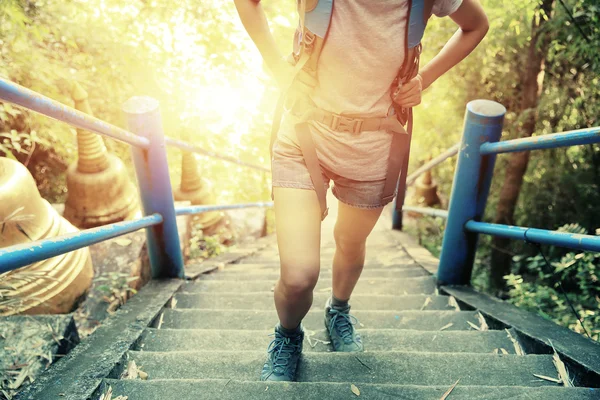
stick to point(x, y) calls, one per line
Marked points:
point(114, 288)
point(536, 286)
point(205, 246)
point(195, 58)
point(561, 185)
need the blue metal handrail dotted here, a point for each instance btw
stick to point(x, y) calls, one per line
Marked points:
point(397, 217)
point(147, 139)
point(434, 162)
point(188, 210)
point(19, 95)
point(197, 149)
point(478, 149)
point(20, 255)
point(477, 153)
point(432, 212)
point(541, 236)
point(554, 140)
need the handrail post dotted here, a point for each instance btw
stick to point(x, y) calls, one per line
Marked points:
point(470, 189)
point(152, 170)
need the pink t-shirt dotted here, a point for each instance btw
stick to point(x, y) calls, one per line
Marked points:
point(363, 53)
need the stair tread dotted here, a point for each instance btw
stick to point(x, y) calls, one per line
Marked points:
point(274, 266)
point(368, 273)
point(417, 285)
point(326, 262)
point(264, 301)
point(255, 319)
point(374, 340)
point(226, 389)
point(383, 367)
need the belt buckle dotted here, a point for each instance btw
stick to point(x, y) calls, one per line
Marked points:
point(346, 124)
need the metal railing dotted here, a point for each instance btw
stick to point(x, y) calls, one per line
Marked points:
point(148, 142)
point(471, 185)
point(428, 166)
point(476, 158)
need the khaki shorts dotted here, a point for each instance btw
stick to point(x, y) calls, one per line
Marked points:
point(289, 171)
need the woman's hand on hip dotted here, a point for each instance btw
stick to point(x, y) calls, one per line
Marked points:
point(409, 95)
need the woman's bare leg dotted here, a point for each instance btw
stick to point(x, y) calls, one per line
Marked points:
point(298, 224)
point(352, 227)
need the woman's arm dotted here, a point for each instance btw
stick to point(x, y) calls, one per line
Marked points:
point(254, 20)
point(473, 26)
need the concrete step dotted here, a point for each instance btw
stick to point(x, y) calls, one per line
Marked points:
point(228, 389)
point(261, 274)
point(264, 301)
point(274, 266)
point(428, 369)
point(418, 285)
point(266, 320)
point(372, 251)
point(381, 260)
point(374, 340)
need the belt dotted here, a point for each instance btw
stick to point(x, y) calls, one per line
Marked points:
point(397, 155)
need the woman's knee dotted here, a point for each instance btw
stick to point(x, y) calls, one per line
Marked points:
point(299, 282)
point(348, 244)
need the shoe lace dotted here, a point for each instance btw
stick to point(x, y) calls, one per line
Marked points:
point(281, 349)
point(343, 323)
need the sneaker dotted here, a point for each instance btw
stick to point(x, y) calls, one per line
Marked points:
point(340, 327)
point(282, 358)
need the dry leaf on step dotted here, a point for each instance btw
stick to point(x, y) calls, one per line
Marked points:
point(134, 372)
point(473, 325)
point(547, 378)
point(131, 372)
point(427, 302)
point(355, 389)
point(445, 396)
point(446, 326)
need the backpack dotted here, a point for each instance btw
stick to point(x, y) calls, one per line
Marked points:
point(309, 38)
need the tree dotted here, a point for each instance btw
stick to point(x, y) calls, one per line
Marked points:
point(531, 84)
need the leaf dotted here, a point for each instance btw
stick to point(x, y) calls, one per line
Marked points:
point(446, 326)
point(547, 378)
point(104, 288)
point(445, 395)
point(563, 373)
point(473, 325)
point(354, 389)
point(518, 350)
point(427, 302)
point(131, 372)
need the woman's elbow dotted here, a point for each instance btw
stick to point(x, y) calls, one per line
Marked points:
point(484, 26)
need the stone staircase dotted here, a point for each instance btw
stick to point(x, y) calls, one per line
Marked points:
point(206, 338)
point(210, 341)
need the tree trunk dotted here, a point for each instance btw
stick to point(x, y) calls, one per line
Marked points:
point(531, 82)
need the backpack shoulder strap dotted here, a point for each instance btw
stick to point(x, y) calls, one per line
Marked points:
point(318, 16)
point(315, 18)
point(420, 11)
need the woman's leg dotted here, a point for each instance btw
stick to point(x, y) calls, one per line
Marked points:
point(298, 224)
point(352, 227)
